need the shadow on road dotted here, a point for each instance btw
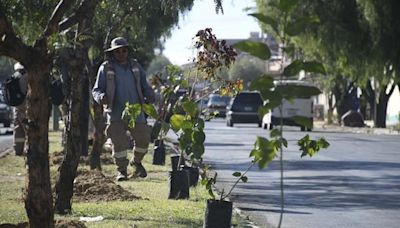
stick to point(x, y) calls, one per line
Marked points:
point(337, 185)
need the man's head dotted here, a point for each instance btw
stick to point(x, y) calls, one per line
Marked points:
point(119, 49)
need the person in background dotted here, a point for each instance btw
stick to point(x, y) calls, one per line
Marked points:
point(19, 111)
point(122, 80)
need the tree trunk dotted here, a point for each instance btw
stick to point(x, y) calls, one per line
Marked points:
point(38, 195)
point(84, 115)
point(381, 112)
point(98, 136)
point(99, 123)
point(64, 185)
point(330, 108)
point(380, 120)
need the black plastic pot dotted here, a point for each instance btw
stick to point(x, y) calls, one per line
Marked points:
point(193, 175)
point(218, 214)
point(179, 184)
point(159, 153)
point(175, 161)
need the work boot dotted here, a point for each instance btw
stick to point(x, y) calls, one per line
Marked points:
point(139, 170)
point(122, 176)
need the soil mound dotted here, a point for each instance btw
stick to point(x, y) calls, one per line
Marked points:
point(57, 157)
point(94, 186)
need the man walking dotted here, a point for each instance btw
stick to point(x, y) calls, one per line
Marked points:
point(19, 111)
point(122, 80)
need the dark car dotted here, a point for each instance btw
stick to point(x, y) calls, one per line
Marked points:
point(6, 113)
point(244, 109)
point(217, 104)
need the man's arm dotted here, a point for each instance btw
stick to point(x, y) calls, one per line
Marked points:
point(99, 88)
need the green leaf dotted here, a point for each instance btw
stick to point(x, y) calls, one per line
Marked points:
point(150, 110)
point(297, 91)
point(322, 143)
point(300, 25)
point(314, 67)
point(200, 123)
point(237, 174)
point(93, 53)
point(287, 5)
point(275, 133)
point(198, 137)
point(156, 129)
point(254, 48)
point(262, 110)
point(264, 152)
point(198, 151)
point(293, 69)
point(187, 124)
point(284, 142)
point(244, 179)
point(303, 121)
point(311, 147)
point(266, 20)
point(176, 121)
point(131, 113)
point(190, 107)
point(165, 127)
point(264, 82)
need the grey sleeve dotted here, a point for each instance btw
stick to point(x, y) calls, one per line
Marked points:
point(99, 88)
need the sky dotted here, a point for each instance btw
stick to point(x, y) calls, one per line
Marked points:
point(233, 24)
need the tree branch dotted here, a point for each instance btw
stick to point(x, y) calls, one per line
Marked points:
point(53, 25)
point(11, 45)
point(82, 13)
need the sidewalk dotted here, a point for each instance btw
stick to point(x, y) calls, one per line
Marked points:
point(322, 126)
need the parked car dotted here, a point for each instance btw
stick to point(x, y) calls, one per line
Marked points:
point(217, 104)
point(244, 109)
point(6, 113)
point(296, 107)
point(202, 104)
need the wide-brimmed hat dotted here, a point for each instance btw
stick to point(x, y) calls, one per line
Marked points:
point(116, 43)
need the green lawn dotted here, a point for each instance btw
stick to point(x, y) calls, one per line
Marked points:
point(153, 209)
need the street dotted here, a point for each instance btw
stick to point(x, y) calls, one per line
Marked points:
point(354, 183)
point(5, 139)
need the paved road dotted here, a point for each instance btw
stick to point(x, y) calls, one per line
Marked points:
point(5, 139)
point(355, 183)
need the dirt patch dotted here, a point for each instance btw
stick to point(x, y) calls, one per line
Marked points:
point(57, 223)
point(57, 157)
point(94, 186)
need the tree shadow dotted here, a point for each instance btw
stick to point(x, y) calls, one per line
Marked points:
point(337, 185)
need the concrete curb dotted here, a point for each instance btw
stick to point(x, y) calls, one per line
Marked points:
point(320, 126)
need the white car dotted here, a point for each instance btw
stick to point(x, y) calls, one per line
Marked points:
point(297, 107)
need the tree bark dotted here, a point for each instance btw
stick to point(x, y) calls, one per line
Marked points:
point(99, 125)
point(381, 111)
point(84, 115)
point(98, 136)
point(38, 195)
point(73, 137)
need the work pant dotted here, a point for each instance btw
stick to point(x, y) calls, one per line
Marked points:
point(19, 131)
point(121, 140)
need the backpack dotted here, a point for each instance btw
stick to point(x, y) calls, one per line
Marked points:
point(56, 92)
point(11, 91)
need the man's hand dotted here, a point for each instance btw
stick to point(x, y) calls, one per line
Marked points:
point(103, 99)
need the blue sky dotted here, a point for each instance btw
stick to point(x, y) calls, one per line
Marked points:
point(233, 24)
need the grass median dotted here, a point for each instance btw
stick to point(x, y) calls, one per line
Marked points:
point(150, 206)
